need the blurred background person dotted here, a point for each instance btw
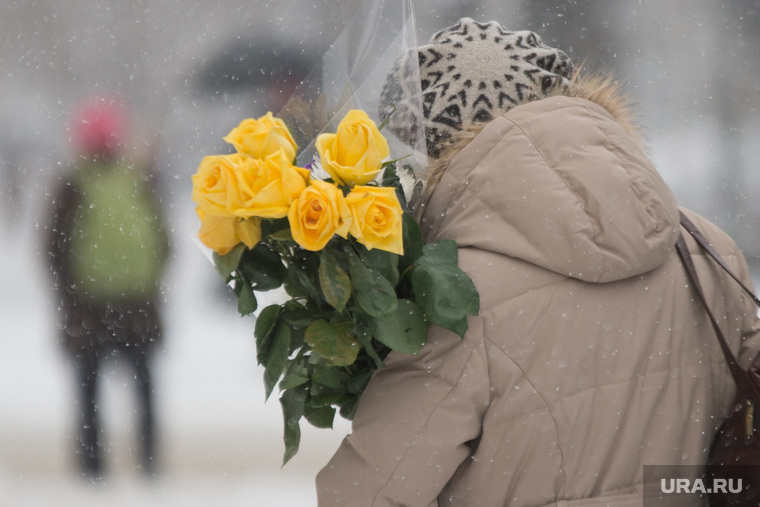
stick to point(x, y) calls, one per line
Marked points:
point(107, 252)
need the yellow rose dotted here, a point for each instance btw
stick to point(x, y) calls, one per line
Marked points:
point(355, 153)
point(319, 212)
point(262, 137)
point(215, 184)
point(377, 218)
point(222, 234)
point(267, 186)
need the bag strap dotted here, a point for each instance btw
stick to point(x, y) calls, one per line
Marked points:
point(739, 374)
point(699, 237)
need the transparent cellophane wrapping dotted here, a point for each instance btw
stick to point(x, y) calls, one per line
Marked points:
point(372, 66)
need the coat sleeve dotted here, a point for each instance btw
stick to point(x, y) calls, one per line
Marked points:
point(750, 325)
point(415, 424)
point(58, 231)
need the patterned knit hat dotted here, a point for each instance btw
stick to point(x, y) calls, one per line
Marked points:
point(469, 73)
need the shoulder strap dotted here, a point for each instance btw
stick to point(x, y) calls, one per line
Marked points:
point(707, 247)
point(739, 374)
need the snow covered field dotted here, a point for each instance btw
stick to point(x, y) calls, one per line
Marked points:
point(220, 444)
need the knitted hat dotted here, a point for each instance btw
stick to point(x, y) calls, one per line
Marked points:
point(469, 73)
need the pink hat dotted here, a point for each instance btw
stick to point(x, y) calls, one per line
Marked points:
point(98, 127)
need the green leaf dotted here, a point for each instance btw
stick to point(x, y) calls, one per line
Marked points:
point(271, 226)
point(297, 315)
point(293, 287)
point(296, 374)
point(291, 380)
point(292, 402)
point(374, 293)
point(386, 263)
point(334, 281)
point(320, 417)
point(444, 292)
point(391, 179)
point(227, 263)
point(326, 376)
point(263, 267)
point(412, 242)
point(278, 355)
point(348, 409)
point(282, 235)
point(246, 303)
point(357, 383)
point(296, 337)
point(266, 326)
point(324, 397)
point(364, 337)
point(333, 342)
point(298, 283)
point(446, 252)
point(301, 285)
point(405, 330)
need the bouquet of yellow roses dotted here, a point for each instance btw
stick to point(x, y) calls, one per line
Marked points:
point(351, 259)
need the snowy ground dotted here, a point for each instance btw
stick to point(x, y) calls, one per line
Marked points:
point(220, 443)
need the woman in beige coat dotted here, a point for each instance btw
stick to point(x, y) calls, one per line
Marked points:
point(591, 356)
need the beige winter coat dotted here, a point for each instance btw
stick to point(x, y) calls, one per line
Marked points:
point(590, 357)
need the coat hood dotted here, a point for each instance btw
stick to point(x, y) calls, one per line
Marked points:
point(561, 183)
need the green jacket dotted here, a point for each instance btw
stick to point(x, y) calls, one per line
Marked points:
point(108, 250)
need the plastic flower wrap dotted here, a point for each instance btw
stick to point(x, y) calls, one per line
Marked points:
point(359, 280)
